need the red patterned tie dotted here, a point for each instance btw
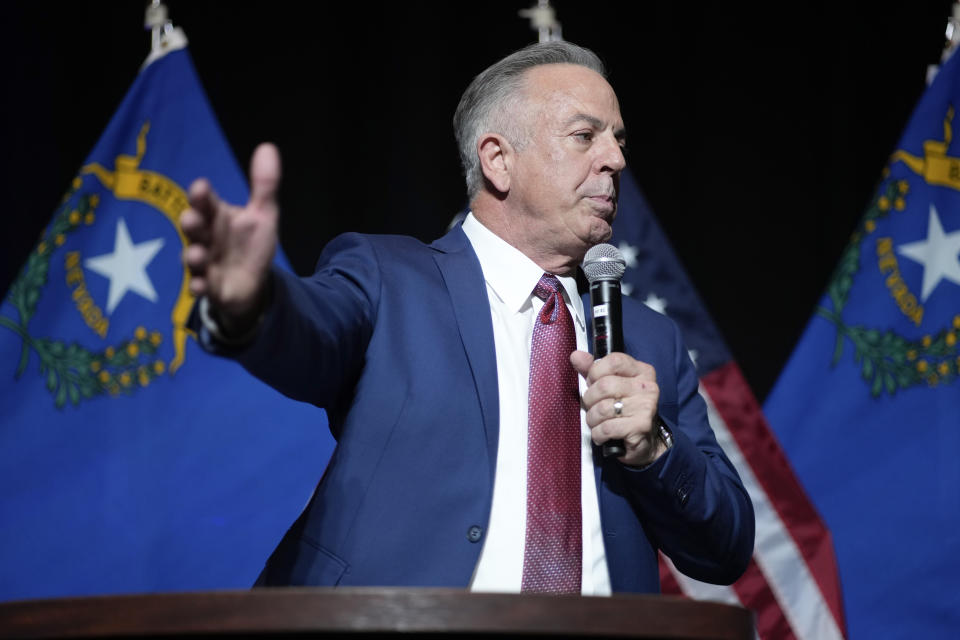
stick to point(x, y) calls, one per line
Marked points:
point(552, 555)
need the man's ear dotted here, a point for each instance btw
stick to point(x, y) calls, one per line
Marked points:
point(496, 160)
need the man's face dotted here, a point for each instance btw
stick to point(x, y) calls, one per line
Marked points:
point(566, 176)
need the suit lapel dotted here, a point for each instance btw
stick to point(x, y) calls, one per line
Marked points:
point(463, 278)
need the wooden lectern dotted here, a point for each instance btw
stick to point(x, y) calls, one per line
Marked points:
point(370, 611)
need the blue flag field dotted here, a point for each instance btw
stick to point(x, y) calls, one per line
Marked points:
point(130, 460)
point(868, 406)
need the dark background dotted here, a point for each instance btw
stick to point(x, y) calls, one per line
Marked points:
point(757, 131)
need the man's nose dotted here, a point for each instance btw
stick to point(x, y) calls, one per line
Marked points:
point(611, 158)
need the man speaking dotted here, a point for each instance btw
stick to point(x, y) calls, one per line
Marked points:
point(468, 414)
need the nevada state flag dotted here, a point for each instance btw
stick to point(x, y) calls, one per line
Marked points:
point(131, 461)
point(868, 406)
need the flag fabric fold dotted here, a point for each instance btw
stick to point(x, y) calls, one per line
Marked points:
point(131, 460)
point(868, 406)
point(791, 583)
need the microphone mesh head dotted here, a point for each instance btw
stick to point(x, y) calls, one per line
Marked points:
point(604, 262)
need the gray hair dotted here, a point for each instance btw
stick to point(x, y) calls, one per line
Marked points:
point(485, 105)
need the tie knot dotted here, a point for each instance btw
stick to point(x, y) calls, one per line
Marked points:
point(547, 286)
point(548, 290)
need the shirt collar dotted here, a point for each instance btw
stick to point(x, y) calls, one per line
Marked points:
point(510, 273)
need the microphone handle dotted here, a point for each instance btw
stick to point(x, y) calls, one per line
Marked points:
point(607, 336)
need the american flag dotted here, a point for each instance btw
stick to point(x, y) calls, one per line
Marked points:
point(791, 584)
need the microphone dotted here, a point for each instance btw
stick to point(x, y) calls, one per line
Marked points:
point(604, 266)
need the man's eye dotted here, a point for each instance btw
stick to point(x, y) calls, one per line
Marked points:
point(583, 136)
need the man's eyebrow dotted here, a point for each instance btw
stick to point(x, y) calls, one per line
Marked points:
point(620, 133)
point(593, 121)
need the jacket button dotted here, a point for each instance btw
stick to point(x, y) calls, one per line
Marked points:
point(474, 533)
point(683, 495)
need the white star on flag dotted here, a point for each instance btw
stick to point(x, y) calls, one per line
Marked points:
point(657, 304)
point(126, 267)
point(629, 254)
point(626, 288)
point(939, 254)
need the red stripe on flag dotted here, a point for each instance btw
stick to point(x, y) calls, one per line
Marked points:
point(736, 404)
point(668, 583)
point(754, 592)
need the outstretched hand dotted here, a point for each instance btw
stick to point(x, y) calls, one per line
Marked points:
point(231, 247)
point(619, 377)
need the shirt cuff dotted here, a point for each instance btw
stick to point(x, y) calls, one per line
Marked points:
point(216, 332)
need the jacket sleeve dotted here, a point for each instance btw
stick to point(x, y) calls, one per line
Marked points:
point(691, 500)
point(311, 343)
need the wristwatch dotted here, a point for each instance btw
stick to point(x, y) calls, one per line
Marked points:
point(666, 436)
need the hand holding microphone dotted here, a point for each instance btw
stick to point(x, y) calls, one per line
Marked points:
point(622, 394)
point(604, 266)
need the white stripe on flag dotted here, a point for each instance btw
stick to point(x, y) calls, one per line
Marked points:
point(775, 551)
point(703, 590)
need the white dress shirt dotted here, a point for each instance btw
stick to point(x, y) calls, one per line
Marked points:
point(510, 278)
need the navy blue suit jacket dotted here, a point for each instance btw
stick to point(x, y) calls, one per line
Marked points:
point(394, 339)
